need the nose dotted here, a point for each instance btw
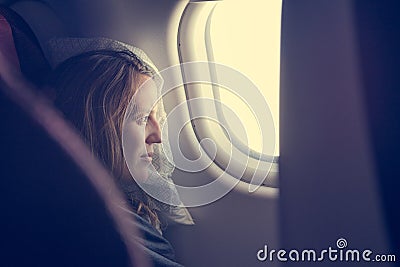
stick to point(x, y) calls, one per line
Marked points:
point(153, 132)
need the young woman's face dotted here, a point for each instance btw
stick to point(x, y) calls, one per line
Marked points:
point(141, 129)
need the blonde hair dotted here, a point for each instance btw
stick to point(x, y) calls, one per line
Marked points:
point(93, 90)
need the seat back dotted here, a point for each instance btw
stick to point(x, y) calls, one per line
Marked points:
point(33, 64)
point(60, 206)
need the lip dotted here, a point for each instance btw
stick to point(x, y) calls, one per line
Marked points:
point(147, 157)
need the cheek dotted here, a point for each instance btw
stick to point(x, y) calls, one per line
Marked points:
point(133, 139)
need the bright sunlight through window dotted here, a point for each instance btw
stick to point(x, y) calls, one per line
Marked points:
point(246, 36)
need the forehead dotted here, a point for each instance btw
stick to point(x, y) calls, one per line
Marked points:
point(146, 95)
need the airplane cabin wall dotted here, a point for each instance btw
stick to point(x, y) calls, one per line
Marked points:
point(329, 180)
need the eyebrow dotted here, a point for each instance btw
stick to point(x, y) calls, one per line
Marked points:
point(137, 109)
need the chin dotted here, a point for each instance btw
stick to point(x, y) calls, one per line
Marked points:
point(140, 174)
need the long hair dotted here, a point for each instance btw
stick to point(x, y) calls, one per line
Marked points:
point(93, 90)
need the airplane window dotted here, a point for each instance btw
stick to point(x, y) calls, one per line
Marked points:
point(246, 37)
point(231, 61)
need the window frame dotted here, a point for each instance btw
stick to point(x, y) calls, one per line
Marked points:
point(194, 44)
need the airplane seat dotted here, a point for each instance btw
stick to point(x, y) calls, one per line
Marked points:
point(33, 64)
point(52, 215)
point(378, 24)
point(56, 210)
point(339, 127)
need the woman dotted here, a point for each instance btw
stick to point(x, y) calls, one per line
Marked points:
point(110, 92)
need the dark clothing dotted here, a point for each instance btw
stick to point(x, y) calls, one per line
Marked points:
point(155, 245)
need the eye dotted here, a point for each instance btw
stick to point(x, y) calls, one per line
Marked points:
point(142, 120)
